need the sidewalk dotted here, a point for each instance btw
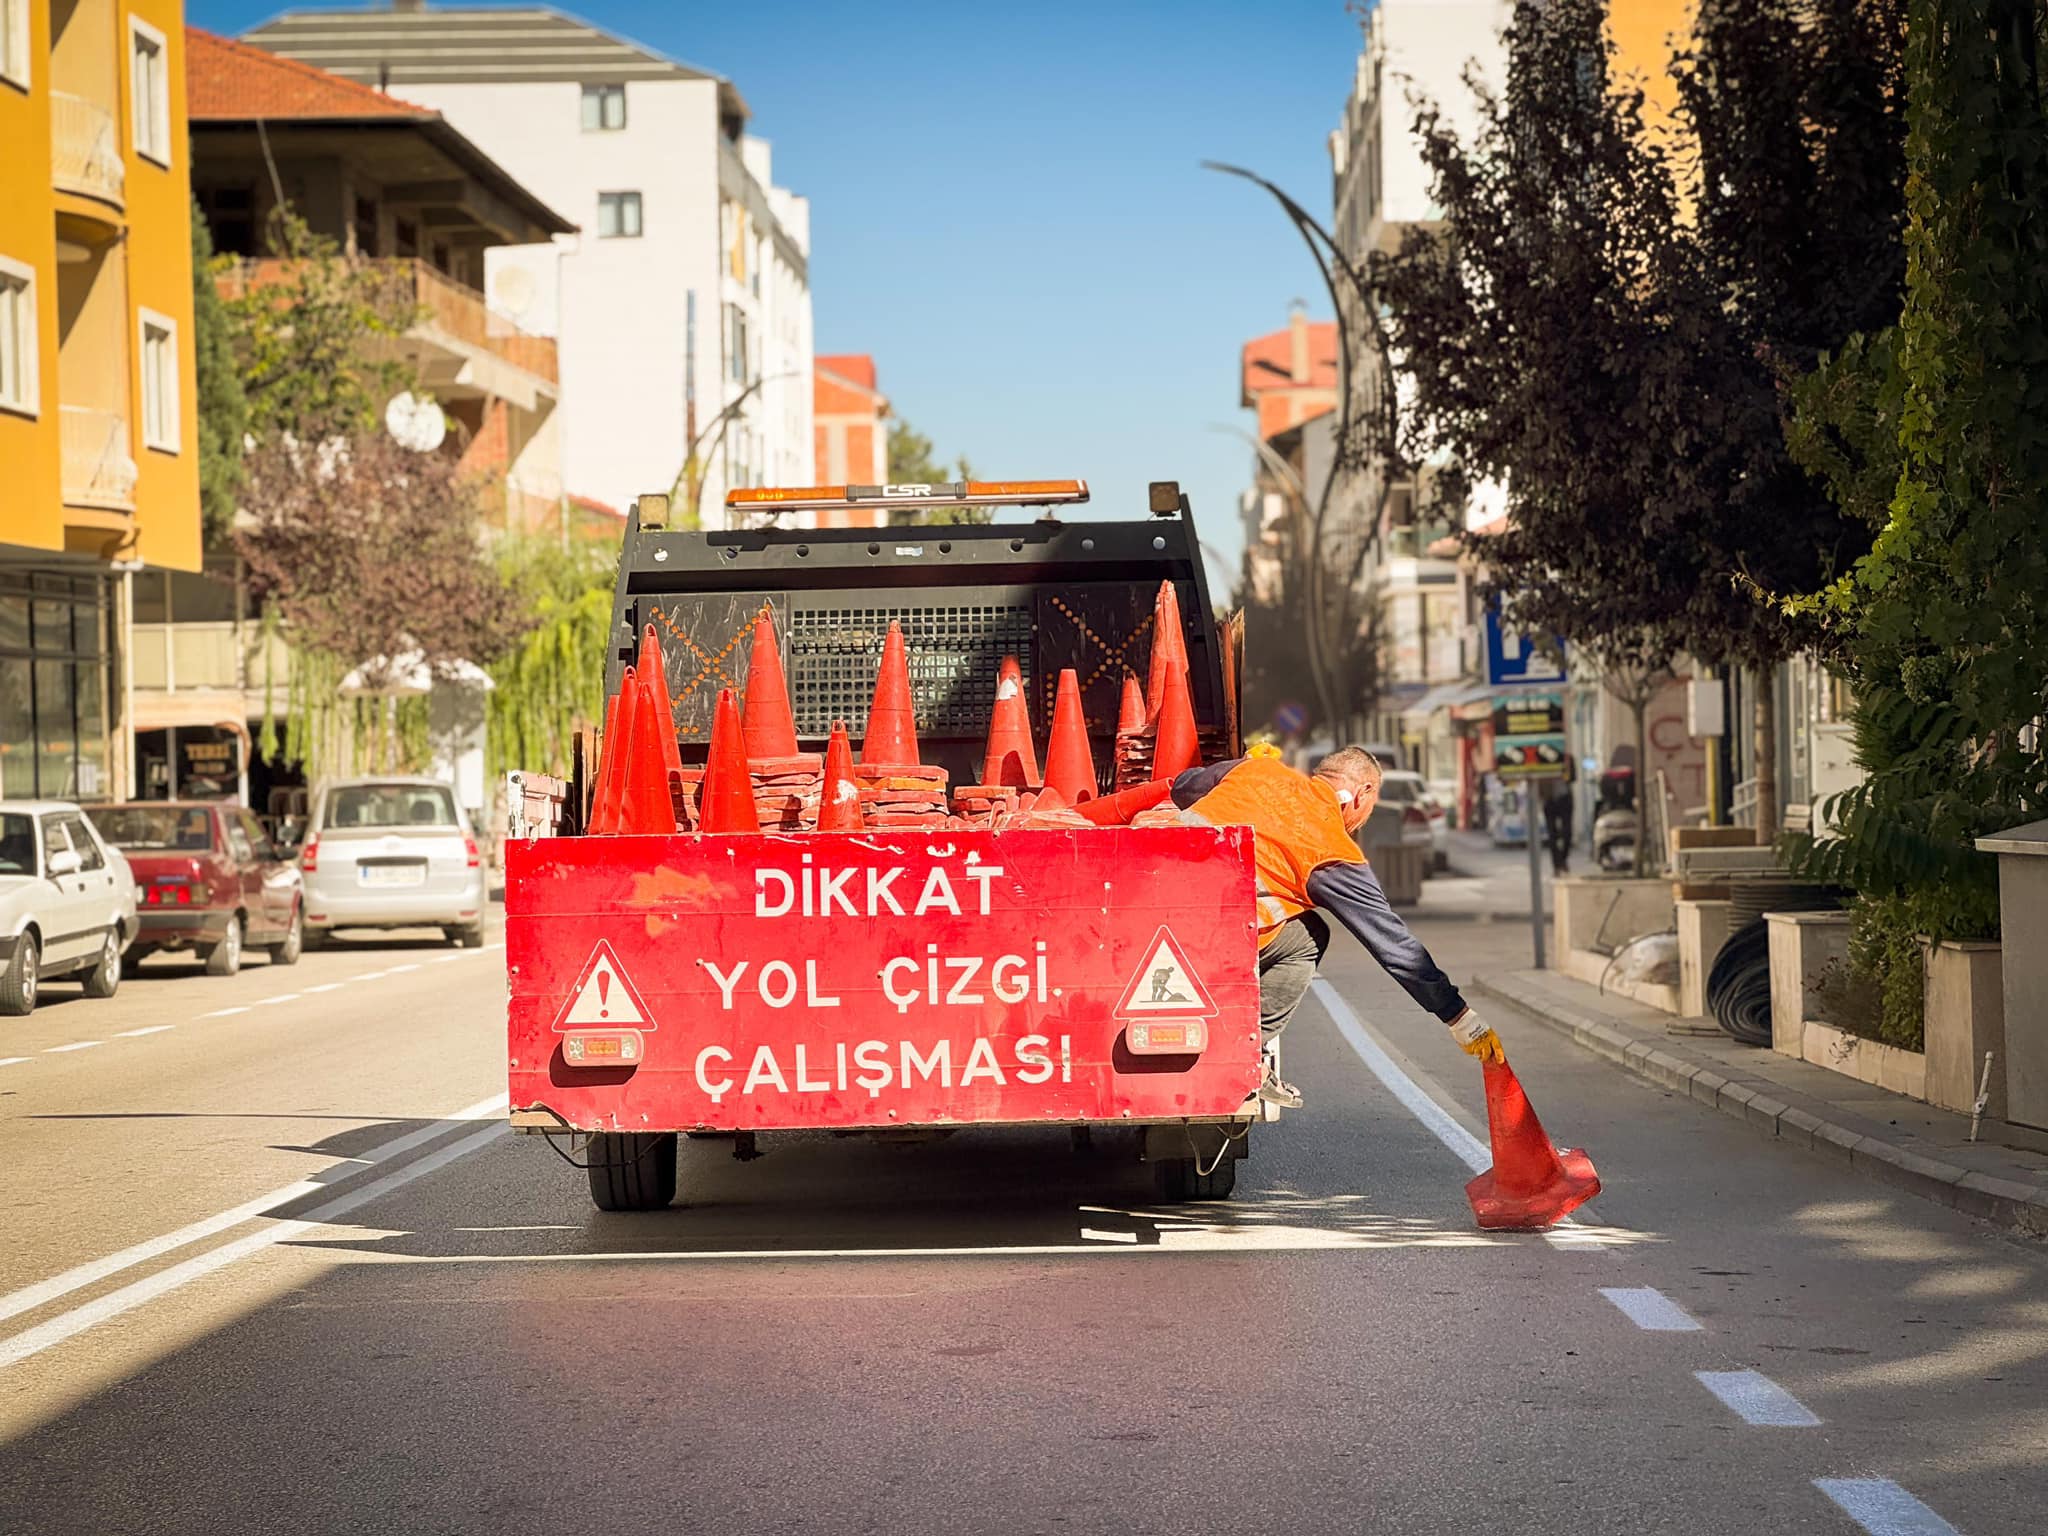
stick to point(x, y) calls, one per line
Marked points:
point(1904, 1142)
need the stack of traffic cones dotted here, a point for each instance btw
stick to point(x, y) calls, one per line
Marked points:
point(787, 783)
point(1165, 743)
point(1069, 765)
point(1009, 768)
point(639, 765)
point(898, 791)
point(1533, 1182)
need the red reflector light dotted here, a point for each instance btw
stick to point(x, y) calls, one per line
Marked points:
point(602, 1047)
point(469, 846)
point(1414, 817)
point(309, 856)
point(1167, 1037)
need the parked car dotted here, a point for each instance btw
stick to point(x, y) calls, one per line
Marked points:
point(391, 853)
point(67, 903)
point(1409, 794)
point(211, 881)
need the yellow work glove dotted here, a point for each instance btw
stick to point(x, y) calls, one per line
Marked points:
point(1475, 1037)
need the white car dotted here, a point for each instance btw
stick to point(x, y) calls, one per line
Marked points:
point(67, 903)
point(392, 853)
point(1422, 816)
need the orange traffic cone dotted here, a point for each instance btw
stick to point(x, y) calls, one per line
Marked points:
point(603, 796)
point(654, 673)
point(839, 806)
point(645, 803)
point(1169, 646)
point(892, 721)
point(770, 722)
point(1011, 759)
point(1069, 767)
point(726, 801)
point(1176, 747)
point(1117, 810)
point(1532, 1183)
point(1130, 715)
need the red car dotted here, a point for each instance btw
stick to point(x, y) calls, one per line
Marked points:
point(208, 879)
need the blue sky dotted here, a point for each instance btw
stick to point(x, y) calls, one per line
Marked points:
point(1007, 208)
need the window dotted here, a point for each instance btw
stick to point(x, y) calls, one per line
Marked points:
point(366, 226)
point(618, 215)
point(18, 390)
point(149, 91)
point(159, 381)
point(82, 841)
point(604, 108)
point(14, 42)
point(230, 217)
point(736, 342)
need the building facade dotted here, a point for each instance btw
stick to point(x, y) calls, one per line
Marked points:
point(683, 307)
point(98, 433)
point(850, 417)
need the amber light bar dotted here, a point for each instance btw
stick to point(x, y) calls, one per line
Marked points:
point(958, 493)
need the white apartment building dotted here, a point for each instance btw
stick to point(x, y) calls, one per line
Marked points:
point(1380, 189)
point(682, 309)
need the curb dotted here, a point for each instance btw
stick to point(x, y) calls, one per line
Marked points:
point(1756, 1100)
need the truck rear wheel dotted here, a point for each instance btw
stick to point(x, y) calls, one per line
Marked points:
point(632, 1170)
point(1181, 1178)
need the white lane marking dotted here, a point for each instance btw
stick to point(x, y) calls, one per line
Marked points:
point(282, 997)
point(221, 1013)
point(43, 1292)
point(1882, 1507)
point(76, 1045)
point(14, 1061)
point(370, 976)
point(325, 986)
point(1474, 1153)
point(1756, 1399)
point(1094, 1235)
point(460, 954)
point(67, 1325)
point(400, 970)
point(136, 1034)
point(1650, 1309)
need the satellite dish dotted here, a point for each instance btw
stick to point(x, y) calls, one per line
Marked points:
point(415, 422)
point(512, 290)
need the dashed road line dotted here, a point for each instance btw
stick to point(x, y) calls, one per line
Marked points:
point(45, 1291)
point(370, 976)
point(76, 1045)
point(282, 997)
point(14, 1061)
point(325, 986)
point(1756, 1399)
point(136, 1034)
point(221, 1013)
point(1650, 1309)
point(400, 970)
point(1882, 1507)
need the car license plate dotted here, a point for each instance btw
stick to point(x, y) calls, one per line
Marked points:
point(392, 874)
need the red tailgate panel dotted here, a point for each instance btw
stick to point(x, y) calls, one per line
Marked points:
point(776, 986)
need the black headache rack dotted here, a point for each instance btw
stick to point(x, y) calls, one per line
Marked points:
point(1053, 593)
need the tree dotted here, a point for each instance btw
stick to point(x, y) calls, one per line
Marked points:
point(223, 410)
point(1943, 625)
point(369, 553)
point(551, 682)
point(1633, 670)
point(314, 338)
point(912, 462)
point(1607, 319)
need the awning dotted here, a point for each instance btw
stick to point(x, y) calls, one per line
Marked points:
point(184, 708)
point(1445, 696)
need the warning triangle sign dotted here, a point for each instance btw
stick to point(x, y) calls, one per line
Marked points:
point(1166, 986)
point(604, 998)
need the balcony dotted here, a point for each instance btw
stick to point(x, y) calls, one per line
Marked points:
point(99, 471)
point(85, 149)
point(445, 311)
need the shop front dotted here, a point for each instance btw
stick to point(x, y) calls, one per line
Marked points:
point(57, 681)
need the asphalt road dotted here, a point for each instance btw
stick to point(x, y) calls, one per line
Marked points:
point(431, 1330)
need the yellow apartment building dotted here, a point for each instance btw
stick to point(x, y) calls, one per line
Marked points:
point(99, 455)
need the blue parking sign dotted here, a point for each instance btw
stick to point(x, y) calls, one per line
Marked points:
point(1515, 659)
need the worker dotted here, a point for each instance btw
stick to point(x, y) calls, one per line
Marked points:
point(1307, 864)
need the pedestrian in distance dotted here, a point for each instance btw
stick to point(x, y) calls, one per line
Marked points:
point(1557, 825)
point(1308, 863)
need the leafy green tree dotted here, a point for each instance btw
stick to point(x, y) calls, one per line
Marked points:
point(551, 682)
point(223, 410)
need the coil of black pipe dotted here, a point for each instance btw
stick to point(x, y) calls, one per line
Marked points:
point(1739, 985)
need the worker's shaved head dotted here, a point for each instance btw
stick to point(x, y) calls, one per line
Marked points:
point(1351, 768)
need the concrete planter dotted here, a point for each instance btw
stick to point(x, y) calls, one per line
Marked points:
point(1803, 944)
point(1594, 916)
point(1703, 928)
point(1965, 1008)
point(1869, 1061)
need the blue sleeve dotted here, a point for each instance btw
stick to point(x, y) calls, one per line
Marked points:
point(1351, 894)
point(1197, 782)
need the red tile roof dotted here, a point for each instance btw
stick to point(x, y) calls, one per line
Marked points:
point(227, 81)
point(854, 367)
point(1269, 360)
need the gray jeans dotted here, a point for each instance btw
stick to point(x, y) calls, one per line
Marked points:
point(1286, 966)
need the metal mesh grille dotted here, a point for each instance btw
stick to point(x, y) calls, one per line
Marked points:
point(955, 652)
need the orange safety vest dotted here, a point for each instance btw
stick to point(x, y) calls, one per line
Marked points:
point(1297, 827)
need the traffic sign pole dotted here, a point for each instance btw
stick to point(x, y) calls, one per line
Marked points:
point(1529, 790)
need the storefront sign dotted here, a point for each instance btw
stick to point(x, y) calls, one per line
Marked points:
point(1528, 735)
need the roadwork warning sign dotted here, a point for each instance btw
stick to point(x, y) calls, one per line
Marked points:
point(604, 998)
point(1166, 986)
